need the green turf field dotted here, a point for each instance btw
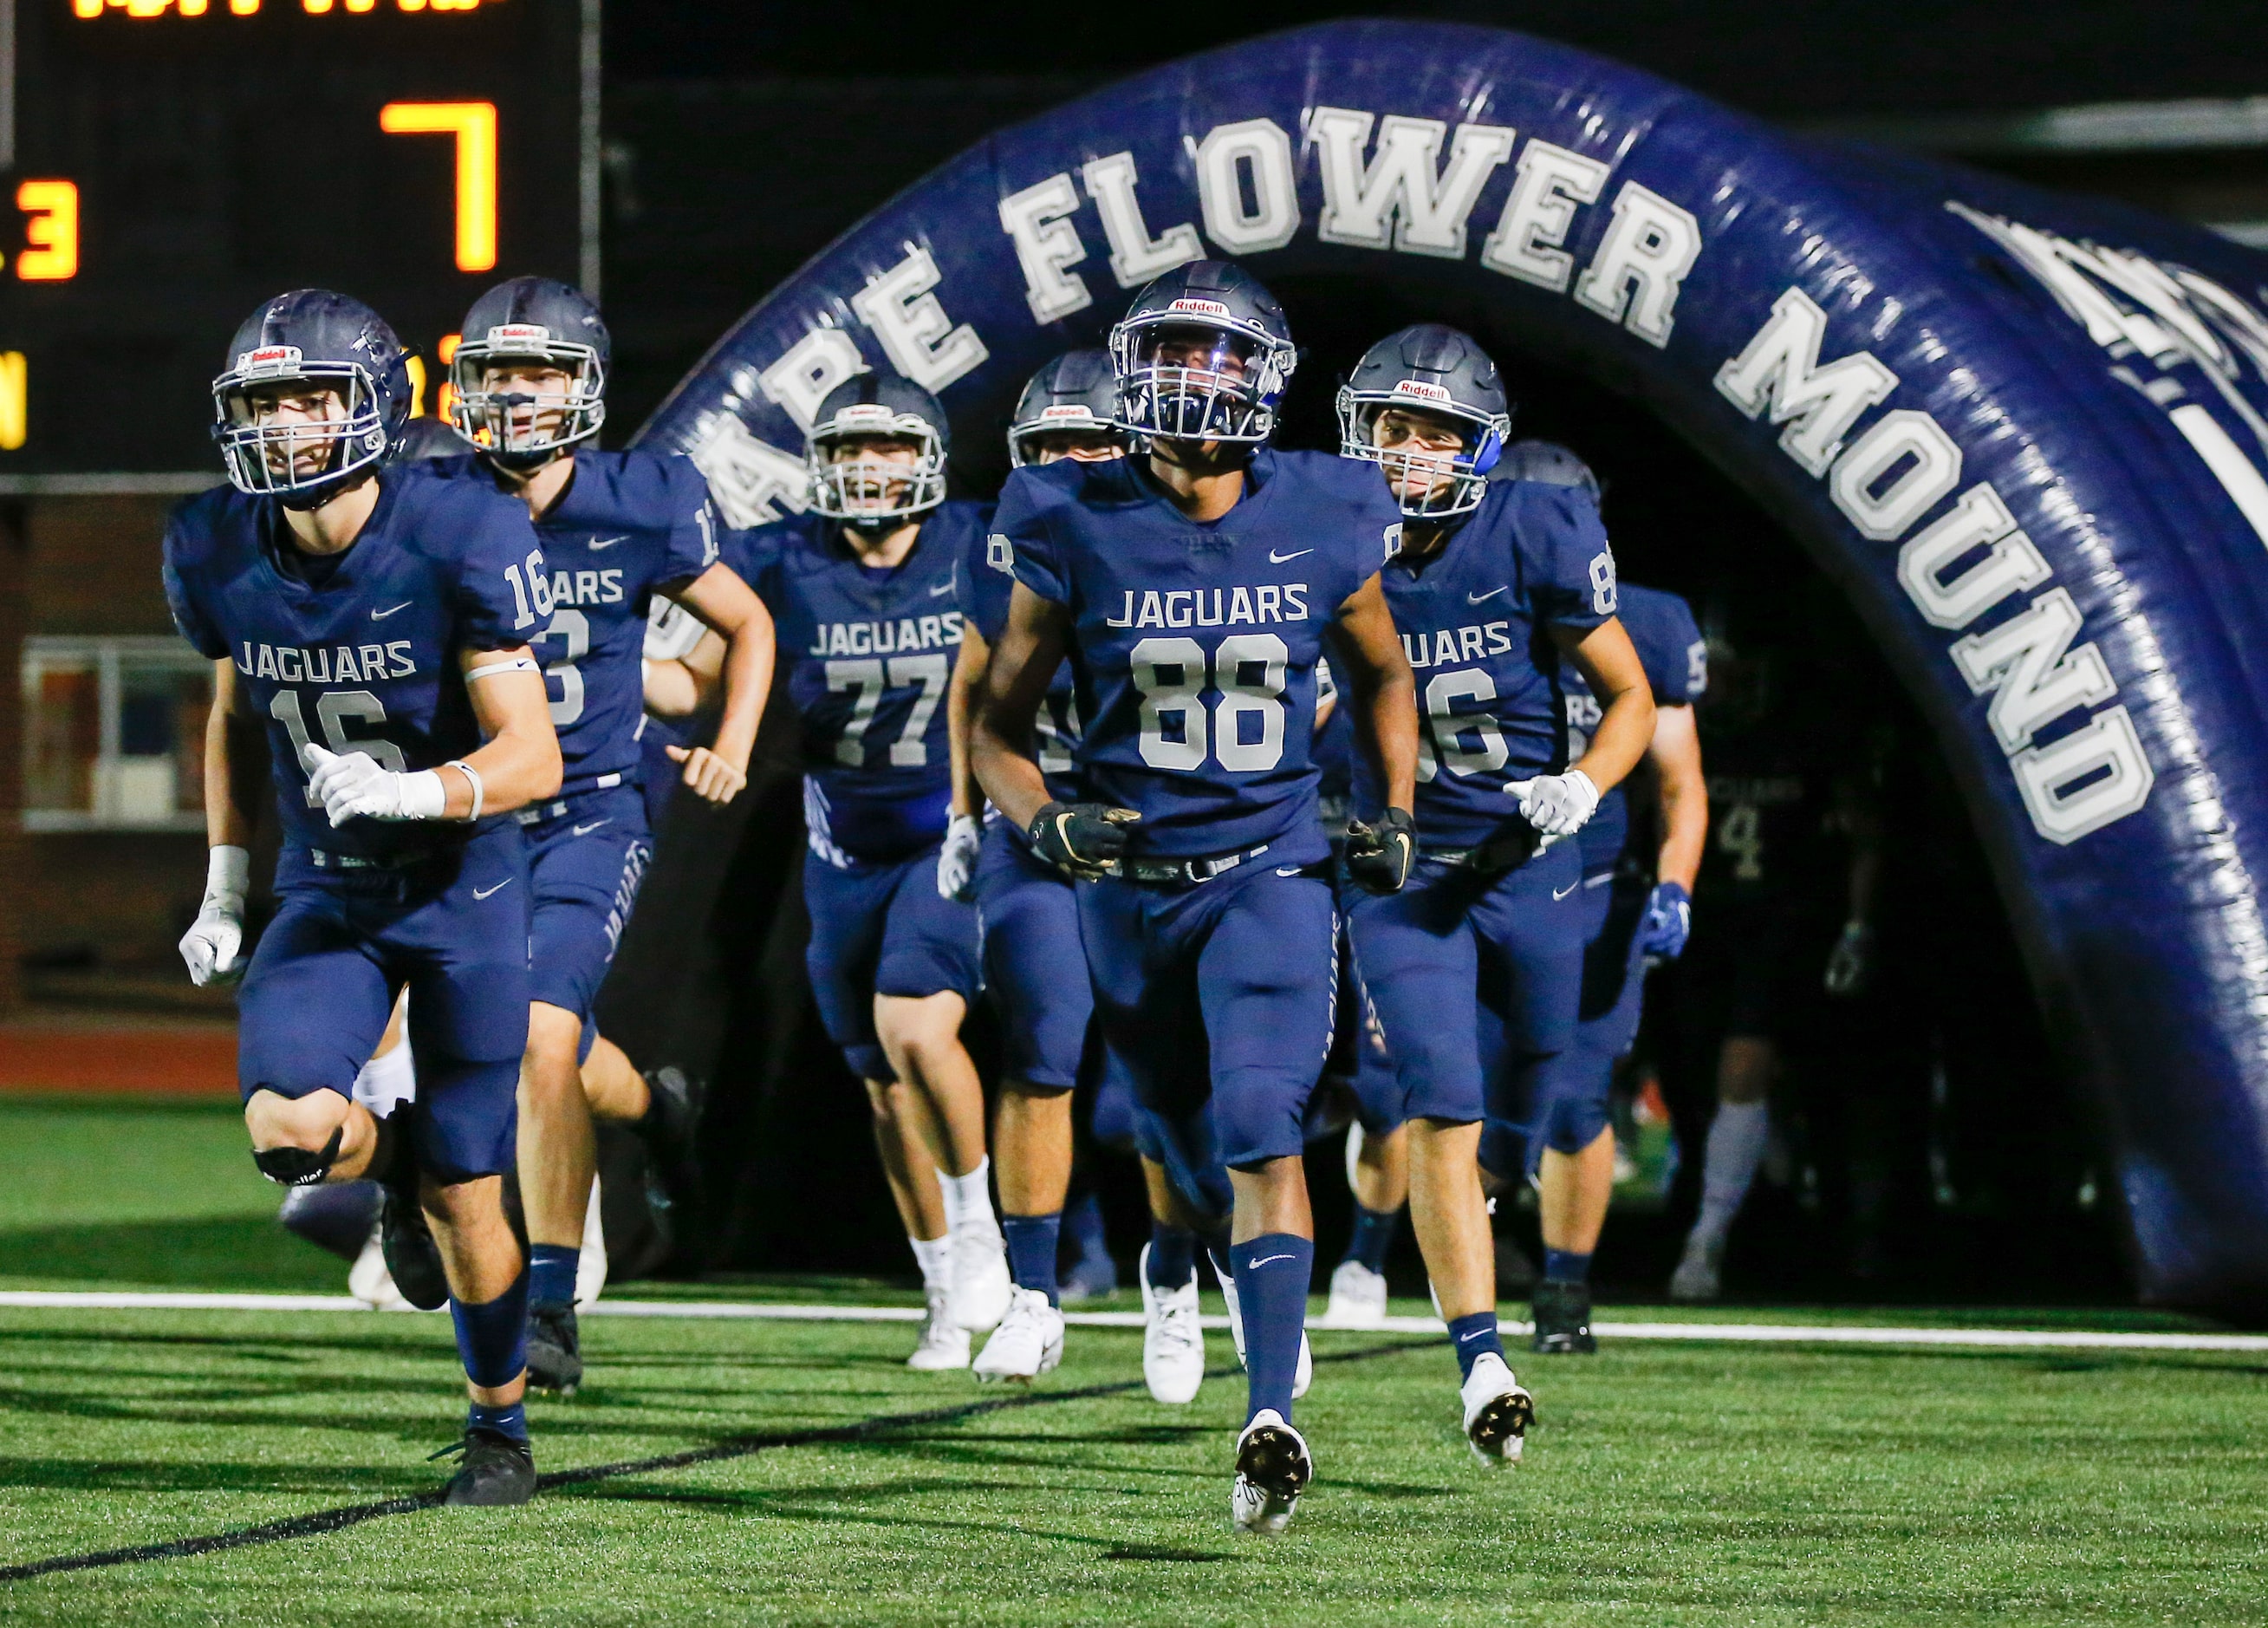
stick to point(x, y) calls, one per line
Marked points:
point(1698, 1484)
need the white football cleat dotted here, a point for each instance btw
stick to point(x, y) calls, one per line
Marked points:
point(1303, 1376)
point(981, 1283)
point(1173, 1338)
point(1272, 1469)
point(1028, 1341)
point(944, 1344)
point(1700, 1274)
point(1497, 1412)
point(369, 1281)
point(1358, 1297)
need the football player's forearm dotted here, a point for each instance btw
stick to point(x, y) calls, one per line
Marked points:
point(1621, 738)
point(671, 689)
point(1005, 769)
point(1682, 791)
point(1388, 727)
point(519, 763)
point(960, 708)
point(747, 684)
point(236, 773)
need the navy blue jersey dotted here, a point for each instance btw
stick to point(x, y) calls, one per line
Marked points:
point(1676, 657)
point(868, 654)
point(1194, 647)
point(1334, 754)
point(983, 582)
point(367, 661)
point(1476, 620)
point(628, 523)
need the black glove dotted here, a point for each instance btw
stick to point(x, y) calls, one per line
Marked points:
point(1082, 840)
point(1378, 857)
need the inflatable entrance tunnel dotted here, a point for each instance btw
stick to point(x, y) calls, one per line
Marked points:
point(2026, 435)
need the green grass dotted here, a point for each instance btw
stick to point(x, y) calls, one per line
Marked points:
point(1665, 1484)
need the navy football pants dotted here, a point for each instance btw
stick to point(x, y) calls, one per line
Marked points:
point(586, 857)
point(317, 996)
point(882, 929)
point(1034, 965)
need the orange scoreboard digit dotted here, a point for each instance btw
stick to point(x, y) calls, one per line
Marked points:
point(166, 165)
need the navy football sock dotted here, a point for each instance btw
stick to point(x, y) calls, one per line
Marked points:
point(551, 1274)
point(1472, 1334)
point(1373, 1236)
point(1566, 1266)
point(1173, 1255)
point(1032, 1240)
point(1082, 1220)
point(1272, 1271)
point(492, 1338)
point(511, 1421)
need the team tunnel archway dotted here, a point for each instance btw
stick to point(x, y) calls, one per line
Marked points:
point(2019, 439)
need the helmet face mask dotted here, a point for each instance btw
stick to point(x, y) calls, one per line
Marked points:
point(876, 463)
point(523, 398)
point(315, 394)
point(1425, 405)
point(1203, 355)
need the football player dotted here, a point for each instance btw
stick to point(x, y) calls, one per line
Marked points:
point(1495, 584)
point(617, 529)
point(861, 589)
point(1637, 909)
point(1034, 964)
point(368, 628)
point(1192, 588)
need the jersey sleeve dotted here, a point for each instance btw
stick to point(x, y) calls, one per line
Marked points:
point(754, 556)
point(1570, 563)
point(503, 589)
point(692, 545)
point(1020, 530)
point(1677, 657)
point(189, 616)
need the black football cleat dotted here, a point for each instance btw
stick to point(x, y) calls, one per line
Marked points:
point(411, 1255)
point(495, 1472)
point(555, 1349)
point(1563, 1319)
point(670, 1128)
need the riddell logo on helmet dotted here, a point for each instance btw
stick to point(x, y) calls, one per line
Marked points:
point(1060, 411)
point(1419, 388)
point(519, 333)
point(1201, 307)
point(866, 412)
point(269, 359)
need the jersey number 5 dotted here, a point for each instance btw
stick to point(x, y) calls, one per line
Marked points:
point(1171, 674)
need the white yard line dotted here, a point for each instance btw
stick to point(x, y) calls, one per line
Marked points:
point(1736, 1333)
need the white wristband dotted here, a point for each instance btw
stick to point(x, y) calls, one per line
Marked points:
point(473, 778)
point(228, 873)
point(423, 796)
point(516, 664)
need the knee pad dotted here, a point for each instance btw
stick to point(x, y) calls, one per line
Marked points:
point(1503, 1150)
point(1574, 1123)
point(296, 1166)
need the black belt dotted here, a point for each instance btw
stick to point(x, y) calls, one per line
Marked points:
point(1184, 872)
point(324, 859)
point(1507, 850)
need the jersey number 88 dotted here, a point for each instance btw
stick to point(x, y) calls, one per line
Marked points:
point(1172, 674)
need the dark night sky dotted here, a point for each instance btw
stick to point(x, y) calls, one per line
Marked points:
point(1790, 61)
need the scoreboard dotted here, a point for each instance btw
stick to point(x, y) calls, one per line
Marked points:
point(167, 164)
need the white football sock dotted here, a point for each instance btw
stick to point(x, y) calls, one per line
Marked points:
point(935, 1256)
point(1736, 1145)
point(387, 1082)
point(968, 1198)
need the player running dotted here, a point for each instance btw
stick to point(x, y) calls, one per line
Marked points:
point(368, 628)
point(1637, 909)
point(862, 591)
point(1034, 964)
point(1494, 585)
point(617, 529)
point(1192, 589)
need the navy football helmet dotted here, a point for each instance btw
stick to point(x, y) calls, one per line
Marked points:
point(547, 323)
point(1439, 372)
point(868, 491)
point(1076, 392)
point(1202, 354)
point(1548, 462)
point(309, 339)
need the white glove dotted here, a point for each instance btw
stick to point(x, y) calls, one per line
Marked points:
point(354, 785)
point(1557, 805)
point(956, 861)
point(212, 941)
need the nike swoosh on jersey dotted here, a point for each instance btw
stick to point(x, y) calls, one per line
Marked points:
point(1475, 599)
point(941, 588)
point(380, 616)
point(1287, 870)
point(1563, 892)
point(598, 543)
point(1254, 1266)
point(482, 893)
point(585, 831)
point(1275, 558)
